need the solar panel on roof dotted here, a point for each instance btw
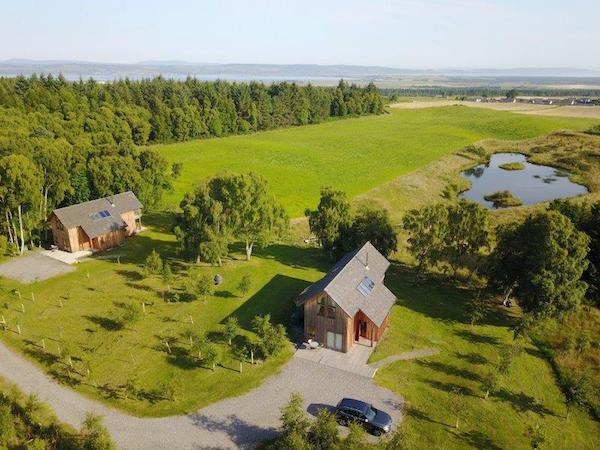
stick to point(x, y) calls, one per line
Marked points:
point(366, 286)
point(99, 215)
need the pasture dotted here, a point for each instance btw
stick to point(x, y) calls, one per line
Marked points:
point(354, 155)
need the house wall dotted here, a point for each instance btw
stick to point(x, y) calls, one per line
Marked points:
point(372, 330)
point(109, 240)
point(69, 240)
point(60, 235)
point(129, 219)
point(316, 326)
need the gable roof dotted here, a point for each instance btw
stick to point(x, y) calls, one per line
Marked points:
point(100, 216)
point(356, 283)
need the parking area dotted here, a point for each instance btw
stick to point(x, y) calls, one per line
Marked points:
point(354, 361)
point(33, 266)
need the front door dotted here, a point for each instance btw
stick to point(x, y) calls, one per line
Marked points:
point(363, 328)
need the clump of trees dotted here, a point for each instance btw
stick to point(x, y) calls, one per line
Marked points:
point(586, 218)
point(227, 208)
point(448, 235)
point(541, 261)
point(299, 433)
point(272, 338)
point(339, 230)
point(26, 423)
point(63, 142)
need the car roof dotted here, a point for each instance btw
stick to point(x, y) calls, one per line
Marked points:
point(354, 404)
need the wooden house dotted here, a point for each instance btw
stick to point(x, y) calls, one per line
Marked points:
point(98, 224)
point(350, 303)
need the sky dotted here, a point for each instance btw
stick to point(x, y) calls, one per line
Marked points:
point(402, 33)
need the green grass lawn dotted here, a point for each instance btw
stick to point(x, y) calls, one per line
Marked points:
point(137, 352)
point(431, 314)
point(354, 154)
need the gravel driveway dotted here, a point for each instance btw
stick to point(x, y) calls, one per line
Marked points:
point(239, 422)
point(33, 266)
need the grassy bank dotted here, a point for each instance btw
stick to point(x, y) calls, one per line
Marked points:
point(431, 314)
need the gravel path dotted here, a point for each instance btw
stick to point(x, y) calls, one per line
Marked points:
point(422, 353)
point(239, 422)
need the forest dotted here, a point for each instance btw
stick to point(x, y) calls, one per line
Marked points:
point(63, 143)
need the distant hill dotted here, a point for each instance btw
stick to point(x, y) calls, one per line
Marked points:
point(74, 70)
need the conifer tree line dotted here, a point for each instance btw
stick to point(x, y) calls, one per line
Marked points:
point(63, 142)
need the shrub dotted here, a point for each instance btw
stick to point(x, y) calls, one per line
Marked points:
point(595, 130)
point(503, 199)
point(95, 435)
point(153, 264)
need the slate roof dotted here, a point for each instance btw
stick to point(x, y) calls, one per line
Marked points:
point(92, 216)
point(342, 283)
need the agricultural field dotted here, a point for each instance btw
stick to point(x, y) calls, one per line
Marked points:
point(354, 155)
point(590, 112)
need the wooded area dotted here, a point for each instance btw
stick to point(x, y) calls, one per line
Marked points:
point(63, 143)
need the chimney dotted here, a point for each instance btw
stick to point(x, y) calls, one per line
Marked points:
point(367, 264)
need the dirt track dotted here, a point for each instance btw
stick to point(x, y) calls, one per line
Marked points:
point(590, 112)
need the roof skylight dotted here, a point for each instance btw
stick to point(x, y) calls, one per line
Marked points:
point(366, 286)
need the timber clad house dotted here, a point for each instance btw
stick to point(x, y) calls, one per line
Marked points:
point(98, 224)
point(350, 303)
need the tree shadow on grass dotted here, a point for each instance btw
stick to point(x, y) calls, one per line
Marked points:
point(522, 402)
point(449, 387)
point(420, 415)
point(105, 322)
point(477, 338)
point(437, 296)
point(42, 356)
point(473, 358)
point(225, 294)
point(477, 439)
point(449, 369)
point(143, 287)
point(296, 257)
point(274, 298)
point(131, 275)
point(180, 357)
point(244, 435)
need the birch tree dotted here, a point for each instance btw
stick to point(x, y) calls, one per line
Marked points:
point(20, 193)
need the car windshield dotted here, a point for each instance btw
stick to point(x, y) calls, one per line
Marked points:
point(371, 413)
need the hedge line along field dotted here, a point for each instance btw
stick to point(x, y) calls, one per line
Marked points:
point(354, 155)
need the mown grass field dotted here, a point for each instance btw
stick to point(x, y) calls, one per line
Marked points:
point(432, 314)
point(93, 298)
point(354, 155)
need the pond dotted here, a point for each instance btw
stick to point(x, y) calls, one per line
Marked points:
point(532, 184)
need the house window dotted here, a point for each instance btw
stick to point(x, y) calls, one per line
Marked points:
point(322, 306)
point(331, 309)
point(327, 308)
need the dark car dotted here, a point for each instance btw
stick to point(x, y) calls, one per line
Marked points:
point(375, 421)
